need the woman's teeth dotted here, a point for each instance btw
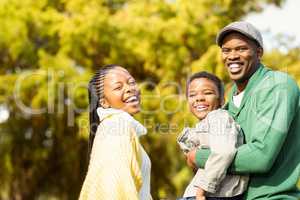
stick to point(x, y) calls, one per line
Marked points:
point(131, 99)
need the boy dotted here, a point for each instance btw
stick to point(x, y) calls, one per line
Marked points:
point(216, 131)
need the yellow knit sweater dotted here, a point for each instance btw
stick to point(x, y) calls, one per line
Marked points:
point(119, 168)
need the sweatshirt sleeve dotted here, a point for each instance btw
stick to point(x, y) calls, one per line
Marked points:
point(223, 134)
point(114, 169)
point(275, 106)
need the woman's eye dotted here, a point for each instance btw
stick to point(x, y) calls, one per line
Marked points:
point(132, 83)
point(118, 88)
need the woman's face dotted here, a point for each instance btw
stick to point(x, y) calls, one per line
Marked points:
point(121, 91)
point(203, 97)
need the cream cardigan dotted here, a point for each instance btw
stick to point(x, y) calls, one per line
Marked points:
point(119, 168)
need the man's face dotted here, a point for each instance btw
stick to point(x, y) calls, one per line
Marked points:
point(241, 56)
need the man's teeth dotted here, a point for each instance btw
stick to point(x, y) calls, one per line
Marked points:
point(130, 99)
point(234, 67)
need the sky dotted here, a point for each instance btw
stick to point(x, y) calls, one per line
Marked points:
point(273, 21)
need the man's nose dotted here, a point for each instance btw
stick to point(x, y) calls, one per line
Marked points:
point(233, 55)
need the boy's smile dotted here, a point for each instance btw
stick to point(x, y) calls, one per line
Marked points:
point(203, 97)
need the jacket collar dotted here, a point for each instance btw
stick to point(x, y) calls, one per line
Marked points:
point(105, 113)
point(252, 83)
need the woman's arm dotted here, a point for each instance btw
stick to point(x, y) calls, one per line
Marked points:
point(114, 169)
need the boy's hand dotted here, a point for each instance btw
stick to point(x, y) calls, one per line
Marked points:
point(200, 194)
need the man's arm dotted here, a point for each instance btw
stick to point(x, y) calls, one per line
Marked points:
point(271, 118)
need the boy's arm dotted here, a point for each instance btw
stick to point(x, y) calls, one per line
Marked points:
point(200, 194)
point(214, 171)
point(223, 134)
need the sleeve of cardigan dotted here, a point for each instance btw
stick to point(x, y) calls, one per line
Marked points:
point(114, 169)
point(275, 109)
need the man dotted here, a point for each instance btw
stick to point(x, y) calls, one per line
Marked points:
point(266, 104)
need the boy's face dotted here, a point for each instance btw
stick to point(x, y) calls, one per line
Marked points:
point(203, 97)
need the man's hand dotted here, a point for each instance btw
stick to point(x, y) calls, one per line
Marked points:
point(191, 158)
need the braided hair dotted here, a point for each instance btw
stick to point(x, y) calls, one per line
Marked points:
point(96, 94)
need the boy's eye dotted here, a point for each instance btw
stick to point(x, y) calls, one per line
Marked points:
point(191, 95)
point(208, 93)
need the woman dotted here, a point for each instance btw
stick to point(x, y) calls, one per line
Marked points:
point(119, 168)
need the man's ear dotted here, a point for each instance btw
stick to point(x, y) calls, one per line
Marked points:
point(104, 103)
point(260, 52)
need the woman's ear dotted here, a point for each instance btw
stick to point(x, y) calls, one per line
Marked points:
point(104, 103)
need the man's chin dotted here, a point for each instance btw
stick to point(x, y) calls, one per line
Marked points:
point(236, 77)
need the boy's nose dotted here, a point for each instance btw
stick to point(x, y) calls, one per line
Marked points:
point(200, 97)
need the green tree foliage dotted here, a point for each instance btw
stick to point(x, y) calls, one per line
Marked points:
point(50, 48)
point(288, 62)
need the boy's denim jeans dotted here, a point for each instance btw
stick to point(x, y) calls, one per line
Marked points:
point(187, 198)
point(239, 197)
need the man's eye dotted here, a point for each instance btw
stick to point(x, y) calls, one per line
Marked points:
point(242, 49)
point(225, 50)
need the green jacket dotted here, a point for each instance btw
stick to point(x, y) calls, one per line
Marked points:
point(269, 115)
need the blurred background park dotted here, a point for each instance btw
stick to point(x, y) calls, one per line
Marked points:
point(49, 49)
